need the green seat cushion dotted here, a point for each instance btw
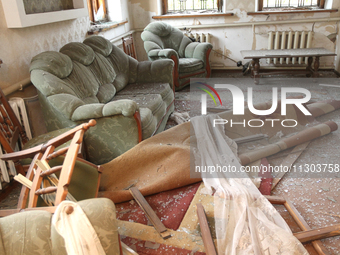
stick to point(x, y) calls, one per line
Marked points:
point(45, 138)
point(84, 181)
point(26, 233)
point(162, 89)
point(41, 139)
point(188, 65)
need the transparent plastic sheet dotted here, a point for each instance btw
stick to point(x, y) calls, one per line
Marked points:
point(245, 222)
point(77, 231)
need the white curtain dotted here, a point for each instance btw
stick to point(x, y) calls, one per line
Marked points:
point(245, 222)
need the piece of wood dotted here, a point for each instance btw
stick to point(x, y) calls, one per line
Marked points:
point(23, 180)
point(276, 200)
point(289, 161)
point(205, 231)
point(321, 250)
point(156, 222)
point(316, 234)
point(44, 166)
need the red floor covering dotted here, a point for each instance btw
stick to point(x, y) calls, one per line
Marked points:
point(170, 207)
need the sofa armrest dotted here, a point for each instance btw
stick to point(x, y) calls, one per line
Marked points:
point(155, 71)
point(198, 50)
point(162, 53)
point(123, 107)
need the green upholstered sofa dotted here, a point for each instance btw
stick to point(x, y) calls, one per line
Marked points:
point(130, 100)
point(162, 41)
point(31, 232)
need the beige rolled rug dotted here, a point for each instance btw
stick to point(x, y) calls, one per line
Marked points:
point(159, 163)
point(162, 162)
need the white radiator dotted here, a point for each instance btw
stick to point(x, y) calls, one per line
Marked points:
point(289, 40)
point(201, 37)
point(8, 168)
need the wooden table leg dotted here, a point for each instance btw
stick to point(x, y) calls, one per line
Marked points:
point(316, 66)
point(256, 70)
point(309, 68)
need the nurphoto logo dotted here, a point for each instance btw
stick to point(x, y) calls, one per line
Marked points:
point(238, 104)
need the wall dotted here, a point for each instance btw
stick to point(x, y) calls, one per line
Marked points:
point(231, 40)
point(19, 45)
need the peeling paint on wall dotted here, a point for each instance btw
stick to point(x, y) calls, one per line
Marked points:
point(146, 5)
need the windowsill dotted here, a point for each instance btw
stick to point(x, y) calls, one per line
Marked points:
point(291, 11)
point(178, 16)
point(96, 29)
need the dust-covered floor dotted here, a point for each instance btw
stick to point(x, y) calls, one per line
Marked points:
point(317, 199)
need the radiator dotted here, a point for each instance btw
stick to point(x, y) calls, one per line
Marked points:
point(8, 168)
point(201, 37)
point(289, 40)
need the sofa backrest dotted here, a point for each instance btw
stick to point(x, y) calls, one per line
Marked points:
point(160, 35)
point(124, 66)
point(82, 73)
point(103, 90)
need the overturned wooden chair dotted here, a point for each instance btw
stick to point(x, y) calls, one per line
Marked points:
point(13, 136)
point(73, 175)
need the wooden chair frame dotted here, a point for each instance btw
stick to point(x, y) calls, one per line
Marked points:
point(129, 47)
point(45, 152)
point(11, 130)
point(307, 234)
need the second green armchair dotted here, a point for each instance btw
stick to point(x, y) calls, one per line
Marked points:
point(162, 41)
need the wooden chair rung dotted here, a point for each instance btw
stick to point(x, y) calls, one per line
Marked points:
point(47, 190)
point(51, 171)
point(57, 153)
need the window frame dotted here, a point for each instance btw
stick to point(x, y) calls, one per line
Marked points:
point(320, 4)
point(165, 10)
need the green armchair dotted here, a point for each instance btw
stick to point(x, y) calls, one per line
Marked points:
point(129, 100)
point(31, 232)
point(191, 59)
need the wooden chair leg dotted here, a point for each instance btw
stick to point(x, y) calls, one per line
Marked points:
point(320, 249)
point(205, 231)
point(307, 234)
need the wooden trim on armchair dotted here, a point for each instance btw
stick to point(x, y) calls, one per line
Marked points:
point(139, 126)
point(208, 64)
point(175, 73)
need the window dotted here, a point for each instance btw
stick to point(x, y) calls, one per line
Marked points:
point(97, 10)
point(272, 5)
point(188, 6)
point(104, 15)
